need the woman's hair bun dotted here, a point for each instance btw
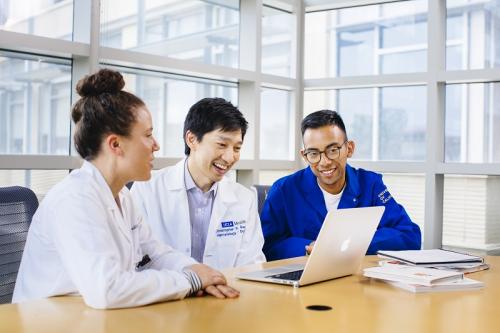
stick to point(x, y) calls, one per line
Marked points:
point(104, 81)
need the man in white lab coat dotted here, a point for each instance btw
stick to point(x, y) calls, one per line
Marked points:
point(192, 206)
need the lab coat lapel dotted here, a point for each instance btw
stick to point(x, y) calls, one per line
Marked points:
point(224, 198)
point(107, 197)
point(174, 182)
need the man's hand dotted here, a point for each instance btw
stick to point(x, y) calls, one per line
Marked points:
point(309, 248)
point(213, 282)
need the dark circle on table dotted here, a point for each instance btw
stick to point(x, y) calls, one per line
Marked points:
point(317, 307)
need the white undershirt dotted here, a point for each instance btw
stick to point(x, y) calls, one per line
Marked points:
point(331, 200)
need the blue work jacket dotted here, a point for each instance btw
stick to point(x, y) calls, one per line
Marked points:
point(295, 209)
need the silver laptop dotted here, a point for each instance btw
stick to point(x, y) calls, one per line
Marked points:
point(339, 250)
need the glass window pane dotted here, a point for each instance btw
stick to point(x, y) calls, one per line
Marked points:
point(42, 18)
point(413, 61)
point(169, 98)
point(472, 132)
point(195, 30)
point(278, 42)
point(386, 123)
point(366, 40)
point(471, 214)
point(454, 59)
point(472, 27)
point(315, 100)
point(356, 52)
point(39, 181)
point(276, 125)
point(34, 104)
point(356, 108)
point(402, 123)
point(404, 32)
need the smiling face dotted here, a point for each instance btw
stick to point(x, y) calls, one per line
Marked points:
point(213, 156)
point(139, 147)
point(330, 172)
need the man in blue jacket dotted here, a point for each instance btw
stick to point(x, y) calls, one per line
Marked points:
point(297, 204)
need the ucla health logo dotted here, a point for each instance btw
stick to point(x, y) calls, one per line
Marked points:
point(227, 224)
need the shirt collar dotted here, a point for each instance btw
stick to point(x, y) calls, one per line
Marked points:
point(190, 184)
point(330, 195)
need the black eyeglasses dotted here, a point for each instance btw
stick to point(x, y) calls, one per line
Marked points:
point(332, 153)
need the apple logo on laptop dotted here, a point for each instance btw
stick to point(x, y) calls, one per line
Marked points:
point(345, 244)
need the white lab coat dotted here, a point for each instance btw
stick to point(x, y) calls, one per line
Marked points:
point(164, 204)
point(80, 243)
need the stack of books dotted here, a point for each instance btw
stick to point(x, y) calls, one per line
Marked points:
point(427, 270)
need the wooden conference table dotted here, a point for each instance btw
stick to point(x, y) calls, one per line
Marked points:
point(358, 305)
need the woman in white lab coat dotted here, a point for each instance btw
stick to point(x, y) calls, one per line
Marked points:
point(87, 236)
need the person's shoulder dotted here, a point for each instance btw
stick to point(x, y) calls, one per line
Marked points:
point(227, 184)
point(292, 179)
point(161, 175)
point(75, 189)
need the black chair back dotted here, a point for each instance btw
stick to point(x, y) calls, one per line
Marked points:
point(262, 191)
point(17, 206)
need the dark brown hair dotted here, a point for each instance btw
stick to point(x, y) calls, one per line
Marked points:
point(103, 108)
point(210, 114)
point(323, 118)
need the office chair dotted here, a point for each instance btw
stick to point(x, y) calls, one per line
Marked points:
point(262, 191)
point(17, 206)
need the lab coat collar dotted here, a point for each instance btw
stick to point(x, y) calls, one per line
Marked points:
point(107, 195)
point(175, 181)
point(92, 170)
point(175, 178)
point(190, 184)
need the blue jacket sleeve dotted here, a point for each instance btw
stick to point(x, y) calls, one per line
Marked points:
point(396, 231)
point(279, 243)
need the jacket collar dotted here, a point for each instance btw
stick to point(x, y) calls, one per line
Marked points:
point(352, 191)
point(352, 181)
point(310, 181)
point(314, 196)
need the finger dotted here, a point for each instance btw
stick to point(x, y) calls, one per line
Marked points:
point(200, 293)
point(228, 291)
point(212, 290)
point(219, 279)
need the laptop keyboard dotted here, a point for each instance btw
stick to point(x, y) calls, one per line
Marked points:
point(292, 276)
